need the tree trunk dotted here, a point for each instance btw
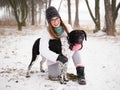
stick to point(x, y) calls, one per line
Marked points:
point(76, 23)
point(24, 12)
point(109, 19)
point(59, 5)
point(20, 12)
point(40, 9)
point(69, 12)
point(49, 3)
point(115, 10)
point(46, 4)
point(96, 18)
point(19, 26)
point(33, 18)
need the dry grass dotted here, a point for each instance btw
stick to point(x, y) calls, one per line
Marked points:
point(85, 29)
point(8, 23)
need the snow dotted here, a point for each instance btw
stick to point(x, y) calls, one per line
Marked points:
point(100, 55)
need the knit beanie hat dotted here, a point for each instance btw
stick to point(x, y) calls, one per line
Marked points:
point(51, 12)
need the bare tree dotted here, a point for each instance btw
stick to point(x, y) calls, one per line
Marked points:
point(115, 9)
point(20, 11)
point(40, 9)
point(109, 18)
point(32, 11)
point(69, 12)
point(96, 18)
point(76, 22)
point(59, 5)
point(49, 3)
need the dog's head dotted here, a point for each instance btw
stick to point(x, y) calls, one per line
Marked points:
point(76, 37)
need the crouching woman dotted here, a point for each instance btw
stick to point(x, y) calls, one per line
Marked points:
point(57, 29)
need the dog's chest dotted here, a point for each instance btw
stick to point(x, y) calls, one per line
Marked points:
point(65, 48)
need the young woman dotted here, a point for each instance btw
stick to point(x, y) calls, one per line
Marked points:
point(57, 29)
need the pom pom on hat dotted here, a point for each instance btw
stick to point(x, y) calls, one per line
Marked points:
point(51, 12)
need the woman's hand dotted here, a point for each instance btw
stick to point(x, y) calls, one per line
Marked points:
point(62, 59)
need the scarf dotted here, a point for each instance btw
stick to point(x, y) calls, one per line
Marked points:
point(59, 30)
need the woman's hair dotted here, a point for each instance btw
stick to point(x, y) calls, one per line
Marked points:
point(53, 33)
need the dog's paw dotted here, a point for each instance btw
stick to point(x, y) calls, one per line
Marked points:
point(27, 76)
point(63, 81)
point(42, 70)
point(66, 79)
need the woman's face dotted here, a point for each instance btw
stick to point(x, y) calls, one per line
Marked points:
point(55, 22)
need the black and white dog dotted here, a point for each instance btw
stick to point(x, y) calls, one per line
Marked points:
point(62, 46)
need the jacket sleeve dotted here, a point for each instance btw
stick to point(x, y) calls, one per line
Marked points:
point(44, 48)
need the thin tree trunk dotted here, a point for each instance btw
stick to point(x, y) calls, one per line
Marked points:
point(49, 2)
point(46, 4)
point(97, 15)
point(24, 12)
point(96, 18)
point(33, 18)
point(69, 12)
point(115, 11)
point(76, 23)
point(59, 5)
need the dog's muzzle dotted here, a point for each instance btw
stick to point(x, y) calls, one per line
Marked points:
point(76, 47)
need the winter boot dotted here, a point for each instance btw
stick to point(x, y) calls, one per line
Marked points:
point(81, 75)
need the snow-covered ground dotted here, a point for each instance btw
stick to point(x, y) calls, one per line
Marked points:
point(100, 55)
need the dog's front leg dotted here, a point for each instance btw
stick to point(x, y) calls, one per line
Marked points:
point(63, 71)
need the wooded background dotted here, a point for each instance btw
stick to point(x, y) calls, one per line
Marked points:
point(23, 12)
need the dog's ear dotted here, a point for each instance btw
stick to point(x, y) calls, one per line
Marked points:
point(84, 34)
